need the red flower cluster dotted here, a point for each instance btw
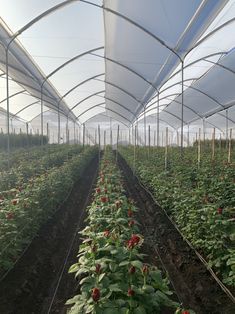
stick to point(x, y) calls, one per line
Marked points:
point(10, 216)
point(15, 201)
point(130, 292)
point(185, 312)
point(104, 199)
point(106, 233)
point(220, 211)
point(130, 213)
point(97, 268)
point(131, 223)
point(132, 270)
point(145, 270)
point(134, 240)
point(95, 294)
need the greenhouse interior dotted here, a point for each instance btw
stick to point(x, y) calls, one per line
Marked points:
point(117, 157)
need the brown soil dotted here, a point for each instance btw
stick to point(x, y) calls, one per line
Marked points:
point(193, 284)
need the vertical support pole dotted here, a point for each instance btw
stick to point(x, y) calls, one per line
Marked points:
point(177, 138)
point(182, 109)
point(27, 133)
point(58, 117)
point(95, 136)
point(166, 149)
point(83, 135)
point(111, 139)
point(110, 130)
point(135, 142)
point(104, 140)
point(74, 132)
point(188, 137)
point(42, 115)
point(67, 130)
point(149, 142)
point(145, 135)
point(154, 138)
point(199, 149)
point(158, 120)
point(48, 132)
point(129, 136)
point(79, 135)
point(226, 128)
point(213, 145)
point(220, 142)
point(8, 107)
point(117, 143)
point(99, 141)
point(230, 146)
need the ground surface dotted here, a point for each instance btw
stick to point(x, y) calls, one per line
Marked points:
point(31, 286)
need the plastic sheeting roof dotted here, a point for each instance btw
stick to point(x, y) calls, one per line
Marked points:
point(111, 58)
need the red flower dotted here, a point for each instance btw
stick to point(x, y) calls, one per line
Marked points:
point(15, 201)
point(131, 223)
point(97, 268)
point(134, 240)
point(220, 211)
point(10, 216)
point(94, 248)
point(145, 270)
point(132, 270)
point(95, 294)
point(130, 292)
point(104, 199)
point(130, 213)
point(185, 312)
point(98, 190)
point(106, 233)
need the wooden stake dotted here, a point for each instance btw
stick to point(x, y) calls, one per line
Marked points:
point(166, 149)
point(213, 145)
point(199, 149)
point(230, 146)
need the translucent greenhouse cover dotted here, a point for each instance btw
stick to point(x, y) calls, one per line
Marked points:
point(94, 60)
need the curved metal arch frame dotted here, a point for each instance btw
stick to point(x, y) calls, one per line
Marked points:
point(98, 94)
point(34, 103)
point(67, 2)
point(102, 114)
point(97, 105)
point(119, 104)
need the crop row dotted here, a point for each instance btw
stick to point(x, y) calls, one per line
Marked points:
point(200, 199)
point(27, 168)
point(23, 210)
point(29, 154)
point(113, 274)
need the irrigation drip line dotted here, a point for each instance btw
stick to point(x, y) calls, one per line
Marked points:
point(63, 266)
point(204, 262)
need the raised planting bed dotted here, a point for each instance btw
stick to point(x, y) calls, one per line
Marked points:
point(113, 273)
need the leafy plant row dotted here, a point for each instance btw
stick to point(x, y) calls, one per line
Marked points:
point(201, 200)
point(23, 210)
point(26, 168)
point(29, 154)
point(113, 274)
point(22, 140)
